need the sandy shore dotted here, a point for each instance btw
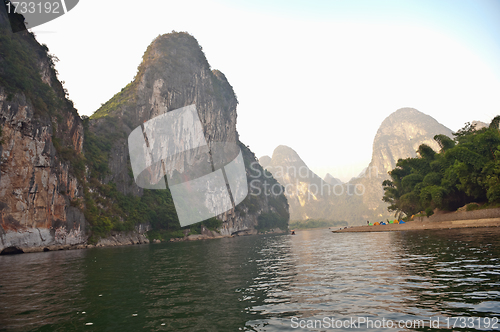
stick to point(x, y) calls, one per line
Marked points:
point(421, 225)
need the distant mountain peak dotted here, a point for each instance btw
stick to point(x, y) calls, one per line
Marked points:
point(283, 149)
point(285, 154)
point(265, 161)
point(398, 137)
point(479, 124)
point(330, 179)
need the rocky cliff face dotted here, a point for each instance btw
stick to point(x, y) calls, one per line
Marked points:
point(398, 137)
point(46, 182)
point(174, 74)
point(42, 137)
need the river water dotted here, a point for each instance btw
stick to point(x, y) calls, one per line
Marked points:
point(262, 283)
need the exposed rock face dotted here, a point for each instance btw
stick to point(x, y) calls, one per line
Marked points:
point(37, 183)
point(137, 236)
point(174, 74)
point(479, 124)
point(398, 137)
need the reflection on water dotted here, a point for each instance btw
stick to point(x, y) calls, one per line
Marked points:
point(254, 283)
point(397, 276)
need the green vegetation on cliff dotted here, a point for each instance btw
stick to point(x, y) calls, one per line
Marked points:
point(173, 73)
point(20, 60)
point(160, 56)
point(28, 75)
point(466, 170)
point(107, 209)
point(28, 78)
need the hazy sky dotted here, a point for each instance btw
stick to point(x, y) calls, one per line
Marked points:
point(318, 76)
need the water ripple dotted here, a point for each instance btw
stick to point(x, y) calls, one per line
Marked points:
point(254, 283)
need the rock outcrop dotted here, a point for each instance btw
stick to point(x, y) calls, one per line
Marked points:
point(174, 73)
point(42, 137)
point(136, 236)
point(398, 137)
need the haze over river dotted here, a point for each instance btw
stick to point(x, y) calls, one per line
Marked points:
point(261, 283)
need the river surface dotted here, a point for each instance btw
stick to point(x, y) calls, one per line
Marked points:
point(261, 283)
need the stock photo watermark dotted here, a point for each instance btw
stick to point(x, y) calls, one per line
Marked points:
point(368, 323)
point(205, 179)
point(25, 15)
point(208, 178)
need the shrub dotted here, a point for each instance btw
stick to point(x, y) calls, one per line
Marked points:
point(472, 207)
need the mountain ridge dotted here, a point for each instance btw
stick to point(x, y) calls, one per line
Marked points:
point(398, 136)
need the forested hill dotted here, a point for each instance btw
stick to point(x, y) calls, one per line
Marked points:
point(466, 170)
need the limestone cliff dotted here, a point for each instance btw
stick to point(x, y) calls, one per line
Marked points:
point(41, 165)
point(174, 73)
point(57, 188)
point(398, 137)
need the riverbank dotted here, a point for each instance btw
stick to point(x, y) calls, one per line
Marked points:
point(439, 220)
point(116, 239)
point(425, 224)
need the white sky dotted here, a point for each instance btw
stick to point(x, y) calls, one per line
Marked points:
point(319, 76)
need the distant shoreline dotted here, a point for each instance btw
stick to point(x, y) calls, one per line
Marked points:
point(423, 225)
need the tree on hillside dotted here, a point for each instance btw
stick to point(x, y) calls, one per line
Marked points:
point(465, 170)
